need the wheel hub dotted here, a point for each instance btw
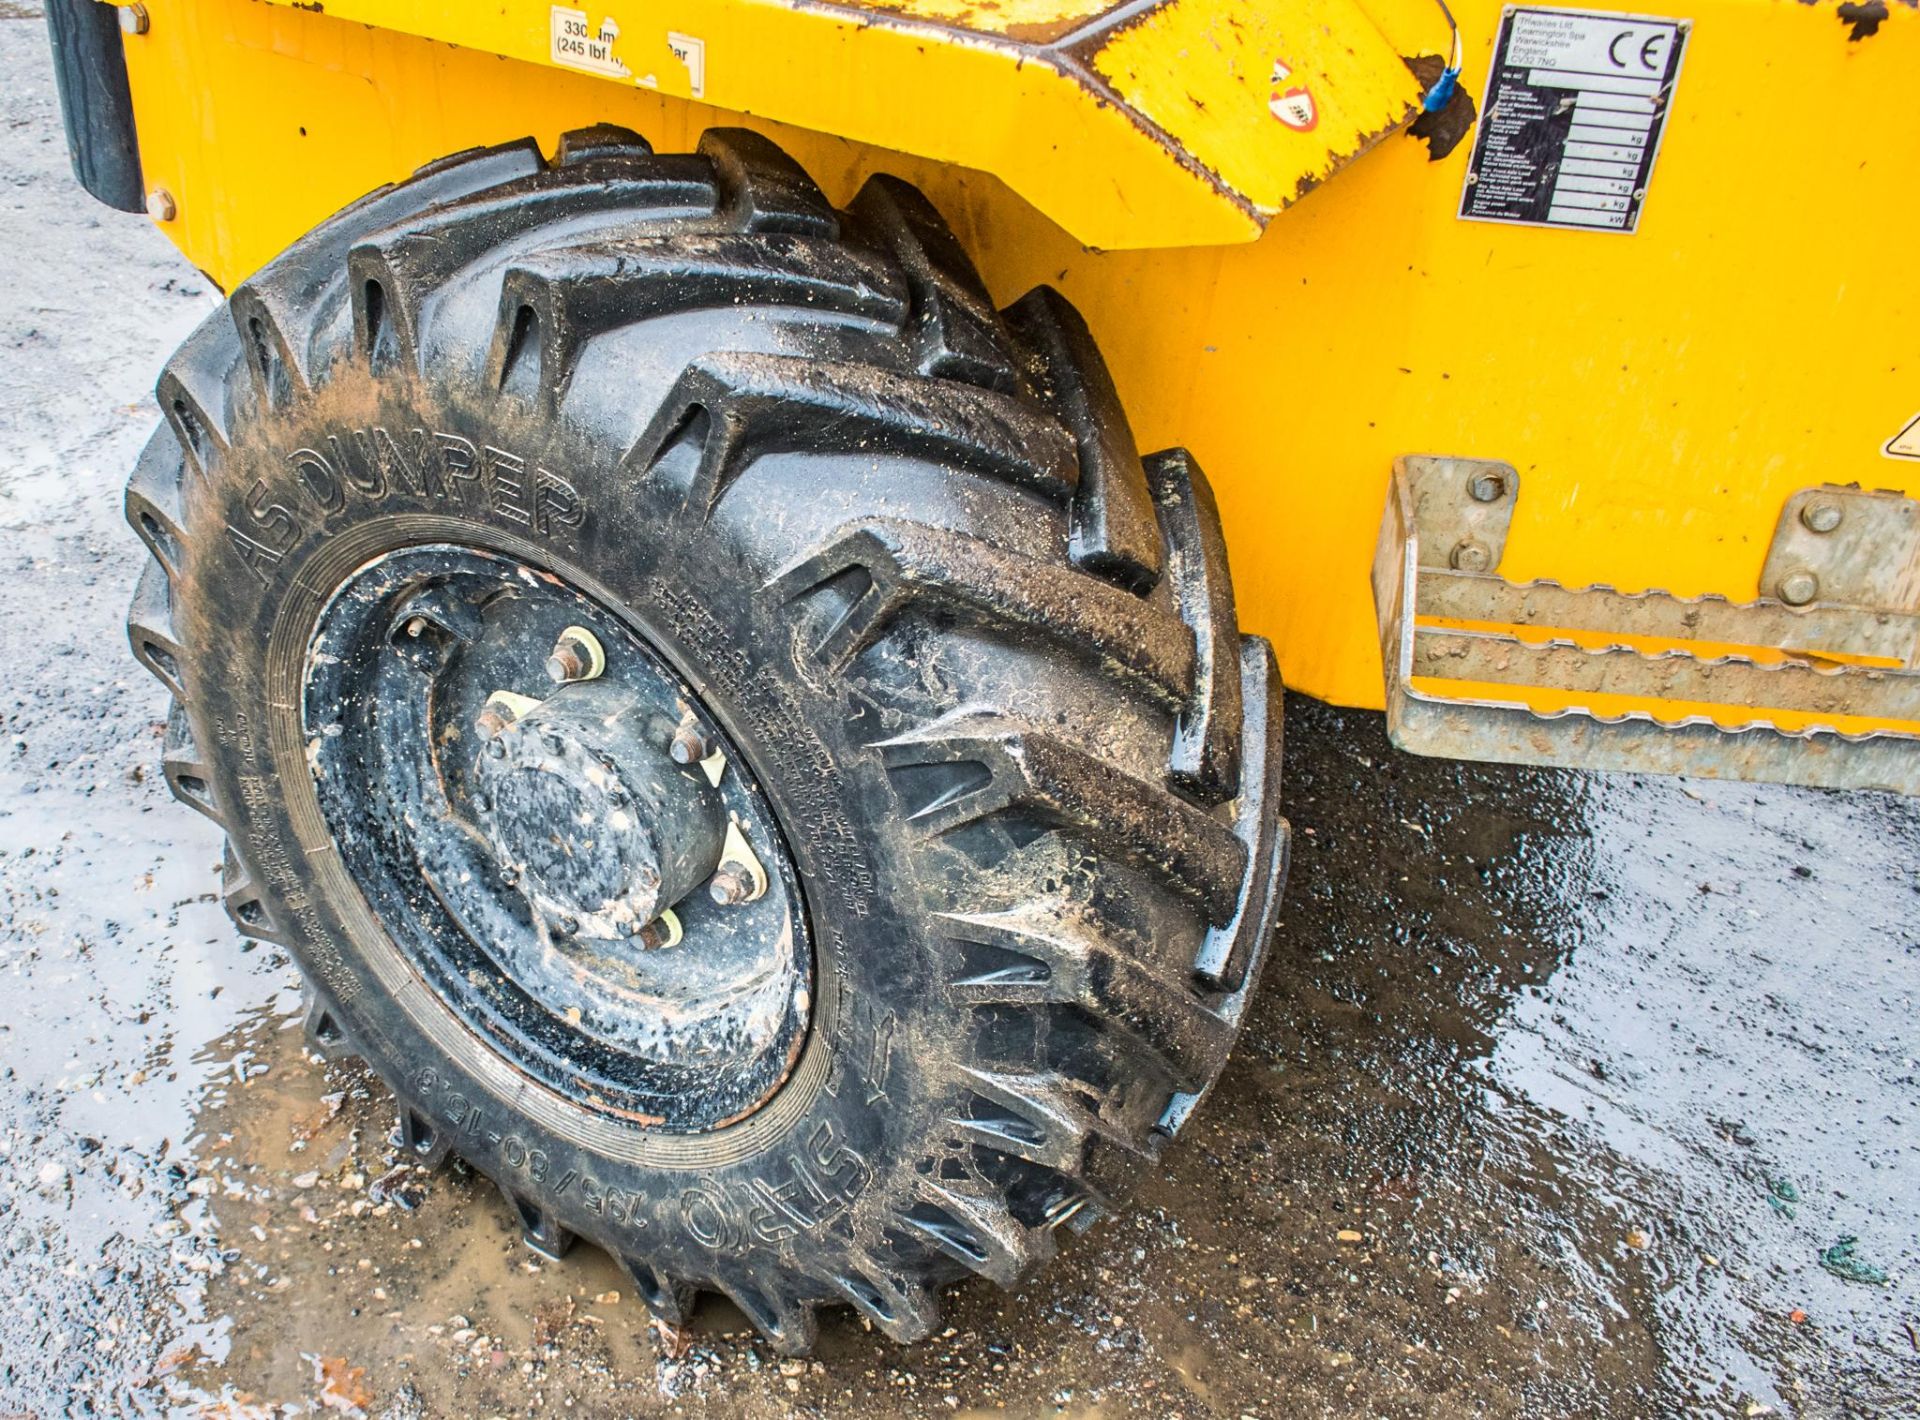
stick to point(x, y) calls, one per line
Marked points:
point(578, 800)
point(532, 849)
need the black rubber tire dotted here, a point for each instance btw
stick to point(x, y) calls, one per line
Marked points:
point(981, 655)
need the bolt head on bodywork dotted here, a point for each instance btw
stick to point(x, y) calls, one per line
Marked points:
point(1799, 588)
point(1487, 487)
point(1470, 556)
point(1821, 517)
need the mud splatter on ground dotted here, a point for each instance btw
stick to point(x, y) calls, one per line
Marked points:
point(1558, 1092)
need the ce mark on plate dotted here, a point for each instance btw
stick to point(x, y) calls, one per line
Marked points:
point(1650, 50)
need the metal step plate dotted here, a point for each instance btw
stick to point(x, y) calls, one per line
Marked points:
point(1813, 684)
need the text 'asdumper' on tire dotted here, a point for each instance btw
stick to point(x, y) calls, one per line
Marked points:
point(731, 727)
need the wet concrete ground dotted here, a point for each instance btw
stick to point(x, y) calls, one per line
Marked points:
point(1557, 1092)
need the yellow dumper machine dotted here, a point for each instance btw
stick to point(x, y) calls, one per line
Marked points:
point(685, 571)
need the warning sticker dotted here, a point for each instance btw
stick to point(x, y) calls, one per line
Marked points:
point(1905, 444)
point(1575, 106)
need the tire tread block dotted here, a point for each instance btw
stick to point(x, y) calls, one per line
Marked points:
point(954, 328)
point(904, 1308)
point(758, 405)
point(1185, 849)
point(576, 293)
point(1231, 947)
point(150, 629)
point(1112, 980)
point(1113, 530)
point(1206, 742)
point(155, 502)
point(184, 768)
point(762, 189)
point(1039, 602)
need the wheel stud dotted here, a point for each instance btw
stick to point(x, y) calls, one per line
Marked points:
point(690, 744)
point(731, 885)
point(430, 625)
point(576, 655)
point(492, 719)
point(662, 932)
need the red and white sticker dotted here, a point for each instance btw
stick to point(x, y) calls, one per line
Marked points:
point(1292, 103)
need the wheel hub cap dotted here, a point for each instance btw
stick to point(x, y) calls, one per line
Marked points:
point(588, 874)
point(604, 829)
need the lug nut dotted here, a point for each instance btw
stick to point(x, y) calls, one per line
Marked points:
point(568, 926)
point(661, 933)
point(494, 717)
point(576, 655)
point(689, 746)
point(1821, 517)
point(732, 884)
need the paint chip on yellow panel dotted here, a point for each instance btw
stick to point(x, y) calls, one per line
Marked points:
point(1270, 98)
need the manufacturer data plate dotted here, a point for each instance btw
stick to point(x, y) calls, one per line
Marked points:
point(1576, 103)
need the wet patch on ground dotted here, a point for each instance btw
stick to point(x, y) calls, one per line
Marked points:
point(1557, 1094)
point(1563, 1095)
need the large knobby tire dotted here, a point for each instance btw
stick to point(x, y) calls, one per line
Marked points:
point(972, 655)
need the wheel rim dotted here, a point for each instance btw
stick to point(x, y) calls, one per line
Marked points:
point(559, 836)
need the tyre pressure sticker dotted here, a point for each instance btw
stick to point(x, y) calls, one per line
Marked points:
point(580, 45)
point(1576, 103)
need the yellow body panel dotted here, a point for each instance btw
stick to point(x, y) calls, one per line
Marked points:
point(977, 91)
point(1662, 393)
point(1359, 86)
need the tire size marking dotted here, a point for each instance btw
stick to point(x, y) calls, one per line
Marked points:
point(371, 463)
point(807, 1186)
point(466, 1117)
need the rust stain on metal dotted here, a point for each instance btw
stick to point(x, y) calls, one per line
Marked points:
point(1865, 17)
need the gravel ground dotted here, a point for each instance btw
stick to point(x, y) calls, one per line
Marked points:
point(1559, 1096)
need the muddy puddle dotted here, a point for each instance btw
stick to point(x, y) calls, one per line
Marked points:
point(1563, 1095)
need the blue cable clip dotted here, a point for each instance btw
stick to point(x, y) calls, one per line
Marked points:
point(1442, 91)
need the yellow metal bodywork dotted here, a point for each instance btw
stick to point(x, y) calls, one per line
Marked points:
point(1662, 393)
point(1128, 131)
